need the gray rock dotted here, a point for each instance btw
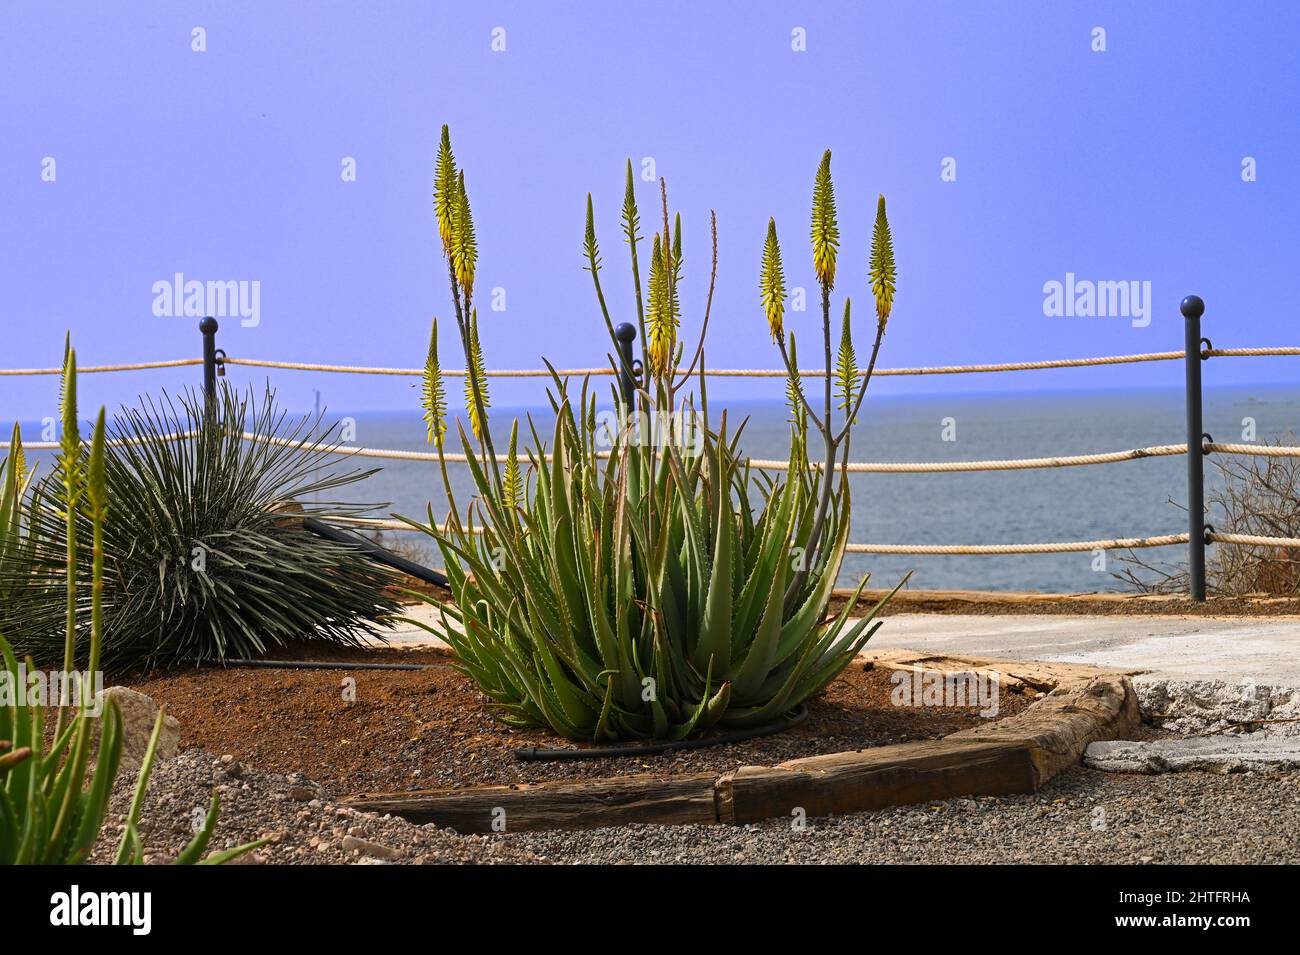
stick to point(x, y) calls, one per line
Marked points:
point(1215, 754)
point(139, 713)
point(1199, 707)
point(371, 849)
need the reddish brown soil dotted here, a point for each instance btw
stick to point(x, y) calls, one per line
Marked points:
point(432, 728)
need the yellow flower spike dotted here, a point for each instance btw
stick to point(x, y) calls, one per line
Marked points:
point(631, 217)
point(793, 390)
point(677, 248)
point(464, 248)
point(825, 227)
point(435, 399)
point(590, 247)
point(444, 189)
point(662, 321)
point(884, 275)
point(771, 284)
point(476, 381)
point(512, 490)
point(846, 369)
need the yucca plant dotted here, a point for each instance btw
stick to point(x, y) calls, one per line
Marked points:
point(15, 543)
point(207, 555)
point(625, 588)
point(51, 809)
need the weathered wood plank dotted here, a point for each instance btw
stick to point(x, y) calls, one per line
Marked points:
point(1041, 675)
point(1059, 727)
point(581, 804)
point(875, 778)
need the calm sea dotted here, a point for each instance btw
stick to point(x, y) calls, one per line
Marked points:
point(1128, 499)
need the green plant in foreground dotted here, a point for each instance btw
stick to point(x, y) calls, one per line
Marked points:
point(50, 813)
point(15, 544)
point(207, 555)
point(634, 588)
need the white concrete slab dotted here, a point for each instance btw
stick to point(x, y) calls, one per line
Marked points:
point(1187, 648)
point(1215, 754)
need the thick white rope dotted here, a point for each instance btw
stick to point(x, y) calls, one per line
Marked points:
point(1259, 450)
point(1064, 547)
point(412, 372)
point(805, 373)
point(92, 369)
point(723, 372)
point(1248, 352)
point(1253, 539)
point(1011, 464)
point(763, 464)
point(713, 372)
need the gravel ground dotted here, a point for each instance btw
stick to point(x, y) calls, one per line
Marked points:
point(304, 828)
point(1080, 817)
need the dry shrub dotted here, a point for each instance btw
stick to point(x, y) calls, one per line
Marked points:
point(1254, 495)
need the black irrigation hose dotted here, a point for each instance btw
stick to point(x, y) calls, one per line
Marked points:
point(374, 551)
point(533, 754)
point(314, 665)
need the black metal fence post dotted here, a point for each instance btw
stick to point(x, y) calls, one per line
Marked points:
point(626, 335)
point(209, 329)
point(1192, 308)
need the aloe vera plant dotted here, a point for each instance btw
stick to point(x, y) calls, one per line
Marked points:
point(611, 587)
point(51, 808)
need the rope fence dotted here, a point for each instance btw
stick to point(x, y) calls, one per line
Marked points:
point(1165, 540)
point(99, 369)
point(1057, 547)
point(709, 372)
point(1196, 351)
point(781, 372)
point(763, 464)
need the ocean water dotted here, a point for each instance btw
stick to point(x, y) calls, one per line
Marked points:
point(1126, 499)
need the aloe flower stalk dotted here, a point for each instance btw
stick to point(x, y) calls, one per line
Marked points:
point(435, 399)
point(771, 284)
point(476, 392)
point(677, 248)
point(464, 248)
point(513, 485)
point(70, 469)
point(825, 227)
point(662, 317)
point(444, 189)
point(884, 275)
point(846, 368)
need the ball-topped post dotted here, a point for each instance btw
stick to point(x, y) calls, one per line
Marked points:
point(1193, 308)
point(208, 328)
point(625, 335)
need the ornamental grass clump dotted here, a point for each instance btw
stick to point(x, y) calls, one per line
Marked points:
point(628, 575)
point(207, 557)
point(54, 792)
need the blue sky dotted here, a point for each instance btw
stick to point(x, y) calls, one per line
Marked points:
point(225, 165)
